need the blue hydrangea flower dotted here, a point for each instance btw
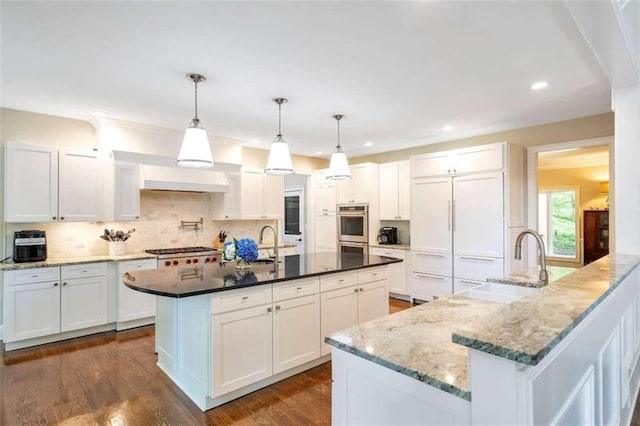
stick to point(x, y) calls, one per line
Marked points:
point(247, 249)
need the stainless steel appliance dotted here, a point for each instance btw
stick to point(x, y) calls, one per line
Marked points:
point(353, 228)
point(388, 235)
point(185, 256)
point(29, 246)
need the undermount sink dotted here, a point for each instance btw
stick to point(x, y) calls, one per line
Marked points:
point(501, 293)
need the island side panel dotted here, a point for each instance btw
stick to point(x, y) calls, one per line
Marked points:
point(364, 392)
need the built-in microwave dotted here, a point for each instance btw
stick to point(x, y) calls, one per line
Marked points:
point(353, 223)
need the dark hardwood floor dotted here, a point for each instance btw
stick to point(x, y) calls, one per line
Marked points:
point(112, 378)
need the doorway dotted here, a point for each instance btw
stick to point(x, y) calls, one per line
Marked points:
point(569, 200)
point(294, 224)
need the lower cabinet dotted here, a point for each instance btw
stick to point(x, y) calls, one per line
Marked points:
point(83, 296)
point(339, 310)
point(398, 272)
point(31, 310)
point(373, 301)
point(134, 305)
point(427, 286)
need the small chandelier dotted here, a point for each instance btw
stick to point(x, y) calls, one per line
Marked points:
point(339, 166)
point(279, 161)
point(195, 150)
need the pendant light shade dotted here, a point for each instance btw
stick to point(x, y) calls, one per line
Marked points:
point(339, 166)
point(279, 161)
point(195, 150)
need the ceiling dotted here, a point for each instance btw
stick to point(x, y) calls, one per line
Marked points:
point(574, 158)
point(398, 71)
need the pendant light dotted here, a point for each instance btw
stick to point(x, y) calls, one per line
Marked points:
point(279, 161)
point(195, 150)
point(339, 166)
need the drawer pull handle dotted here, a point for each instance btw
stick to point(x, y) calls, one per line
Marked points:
point(269, 309)
point(484, 259)
point(340, 280)
point(299, 288)
point(375, 274)
point(34, 276)
point(431, 254)
point(85, 271)
point(471, 282)
point(245, 297)
point(431, 276)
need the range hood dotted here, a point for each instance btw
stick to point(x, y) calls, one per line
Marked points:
point(169, 178)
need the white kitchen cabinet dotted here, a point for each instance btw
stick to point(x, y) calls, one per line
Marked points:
point(126, 191)
point(373, 301)
point(395, 187)
point(296, 332)
point(325, 230)
point(325, 194)
point(398, 272)
point(31, 310)
point(428, 286)
point(241, 348)
point(30, 183)
point(83, 297)
point(462, 284)
point(226, 205)
point(362, 187)
point(338, 310)
point(134, 307)
point(468, 160)
point(44, 184)
point(261, 195)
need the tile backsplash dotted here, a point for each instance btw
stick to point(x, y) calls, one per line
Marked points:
point(159, 227)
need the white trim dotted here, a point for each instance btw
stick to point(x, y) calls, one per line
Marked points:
point(1, 332)
point(532, 180)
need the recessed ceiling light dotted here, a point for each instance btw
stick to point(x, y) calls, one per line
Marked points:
point(318, 153)
point(448, 128)
point(368, 143)
point(539, 85)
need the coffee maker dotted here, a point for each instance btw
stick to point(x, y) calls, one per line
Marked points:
point(388, 235)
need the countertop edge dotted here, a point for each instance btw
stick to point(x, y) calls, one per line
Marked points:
point(75, 261)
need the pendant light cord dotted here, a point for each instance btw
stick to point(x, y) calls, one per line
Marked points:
point(339, 134)
point(195, 81)
point(279, 119)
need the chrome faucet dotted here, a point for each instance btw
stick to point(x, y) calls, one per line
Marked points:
point(275, 239)
point(544, 276)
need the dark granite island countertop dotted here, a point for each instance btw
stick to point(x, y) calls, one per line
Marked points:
point(211, 278)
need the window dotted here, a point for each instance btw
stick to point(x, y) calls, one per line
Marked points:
point(558, 222)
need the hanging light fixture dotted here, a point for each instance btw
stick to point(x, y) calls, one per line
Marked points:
point(195, 150)
point(279, 161)
point(339, 166)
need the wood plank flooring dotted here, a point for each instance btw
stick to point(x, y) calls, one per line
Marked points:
point(112, 378)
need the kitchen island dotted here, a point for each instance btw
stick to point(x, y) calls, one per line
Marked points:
point(566, 354)
point(222, 333)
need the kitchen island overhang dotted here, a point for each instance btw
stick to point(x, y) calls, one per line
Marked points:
point(222, 333)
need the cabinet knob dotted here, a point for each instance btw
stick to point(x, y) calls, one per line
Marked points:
point(355, 290)
point(269, 309)
point(245, 297)
point(361, 289)
point(55, 284)
point(137, 217)
point(54, 217)
point(64, 284)
point(61, 217)
point(277, 307)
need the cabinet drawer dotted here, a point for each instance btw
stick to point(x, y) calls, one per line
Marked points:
point(394, 253)
point(333, 282)
point(462, 284)
point(431, 262)
point(427, 286)
point(32, 275)
point(137, 265)
point(298, 288)
point(371, 275)
point(240, 299)
point(478, 267)
point(84, 270)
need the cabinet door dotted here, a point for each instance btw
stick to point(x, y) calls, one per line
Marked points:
point(252, 194)
point(326, 197)
point(83, 303)
point(364, 183)
point(133, 305)
point(478, 158)
point(126, 192)
point(427, 286)
point(338, 310)
point(273, 196)
point(326, 229)
point(343, 191)
point(373, 301)
point(478, 222)
point(80, 186)
point(31, 310)
point(31, 183)
point(296, 332)
point(241, 348)
point(389, 195)
point(404, 190)
point(432, 164)
point(431, 213)
point(226, 205)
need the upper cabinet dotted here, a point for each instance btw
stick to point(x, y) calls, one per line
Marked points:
point(325, 192)
point(126, 191)
point(461, 161)
point(362, 187)
point(226, 205)
point(261, 195)
point(44, 184)
point(395, 185)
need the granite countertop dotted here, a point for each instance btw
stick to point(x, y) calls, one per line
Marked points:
point(210, 278)
point(430, 342)
point(391, 246)
point(529, 277)
point(9, 265)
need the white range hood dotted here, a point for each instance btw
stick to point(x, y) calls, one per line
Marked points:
point(169, 178)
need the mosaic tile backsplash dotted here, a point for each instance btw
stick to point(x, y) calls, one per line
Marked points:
point(159, 227)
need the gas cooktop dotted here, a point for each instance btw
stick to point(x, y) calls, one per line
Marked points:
point(180, 250)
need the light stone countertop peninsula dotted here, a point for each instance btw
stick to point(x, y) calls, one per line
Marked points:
point(529, 277)
point(430, 342)
point(9, 266)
